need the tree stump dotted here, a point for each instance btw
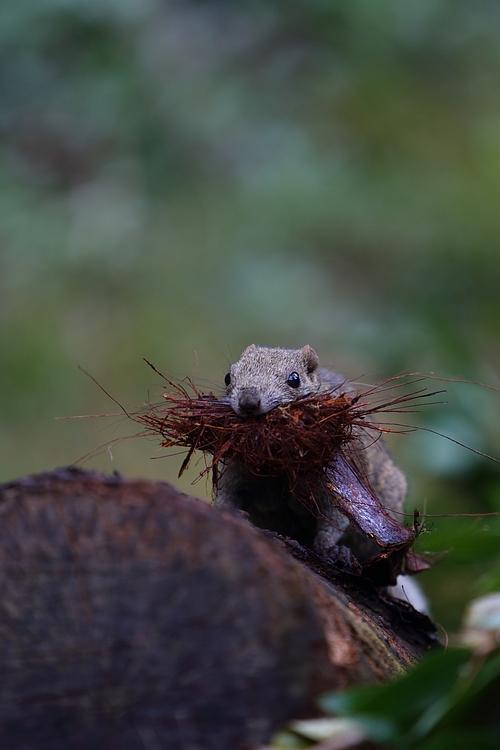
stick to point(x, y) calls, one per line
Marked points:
point(134, 617)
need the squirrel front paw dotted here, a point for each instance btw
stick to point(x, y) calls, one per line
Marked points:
point(342, 557)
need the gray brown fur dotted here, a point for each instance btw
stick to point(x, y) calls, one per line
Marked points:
point(258, 383)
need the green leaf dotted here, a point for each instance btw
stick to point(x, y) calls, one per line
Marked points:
point(460, 739)
point(388, 712)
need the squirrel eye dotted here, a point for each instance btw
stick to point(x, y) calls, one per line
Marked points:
point(227, 379)
point(293, 380)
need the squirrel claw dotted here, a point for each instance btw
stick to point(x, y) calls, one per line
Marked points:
point(343, 558)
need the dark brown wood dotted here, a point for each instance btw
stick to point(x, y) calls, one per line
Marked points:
point(355, 499)
point(133, 617)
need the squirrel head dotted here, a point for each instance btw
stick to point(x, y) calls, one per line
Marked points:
point(264, 378)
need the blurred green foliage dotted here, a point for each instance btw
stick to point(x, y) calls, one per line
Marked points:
point(448, 702)
point(180, 179)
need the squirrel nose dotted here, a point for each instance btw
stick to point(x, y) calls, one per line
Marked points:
point(249, 402)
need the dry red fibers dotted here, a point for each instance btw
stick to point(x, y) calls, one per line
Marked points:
point(293, 439)
point(297, 439)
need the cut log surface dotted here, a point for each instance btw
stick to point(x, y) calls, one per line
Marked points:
point(133, 617)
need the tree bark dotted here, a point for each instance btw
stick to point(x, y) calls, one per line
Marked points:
point(135, 617)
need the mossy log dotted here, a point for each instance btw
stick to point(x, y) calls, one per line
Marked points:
point(134, 617)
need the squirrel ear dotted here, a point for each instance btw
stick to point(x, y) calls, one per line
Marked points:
point(249, 349)
point(311, 359)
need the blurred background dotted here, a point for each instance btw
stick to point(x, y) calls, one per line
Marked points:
point(181, 179)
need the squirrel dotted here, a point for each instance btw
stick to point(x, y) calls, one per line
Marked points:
point(262, 379)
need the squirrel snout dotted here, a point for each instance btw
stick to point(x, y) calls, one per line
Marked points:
point(249, 402)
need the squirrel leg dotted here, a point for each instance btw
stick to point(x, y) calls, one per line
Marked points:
point(330, 528)
point(229, 491)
